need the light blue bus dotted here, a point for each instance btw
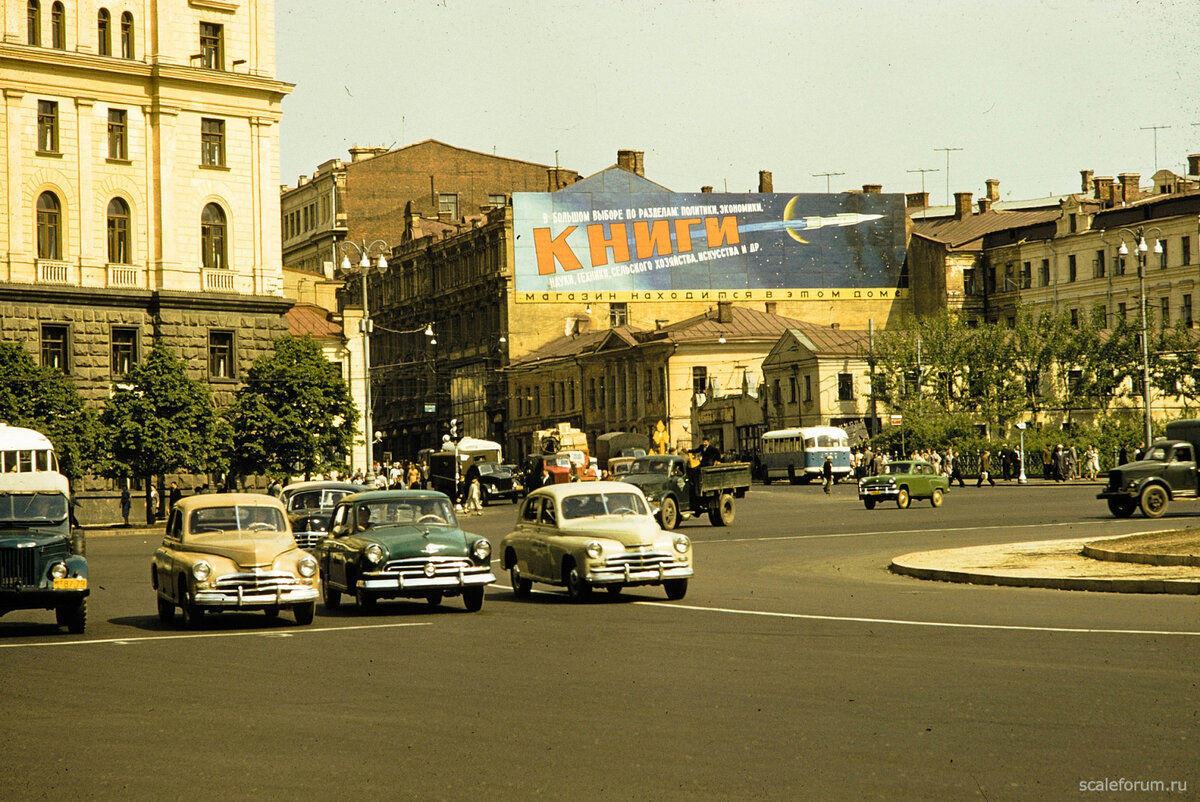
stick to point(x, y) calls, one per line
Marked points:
point(798, 454)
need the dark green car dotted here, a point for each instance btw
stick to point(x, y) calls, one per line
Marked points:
point(902, 481)
point(388, 544)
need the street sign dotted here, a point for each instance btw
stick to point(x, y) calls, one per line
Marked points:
point(896, 419)
point(431, 407)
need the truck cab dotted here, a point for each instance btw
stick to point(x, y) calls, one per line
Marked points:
point(1166, 472)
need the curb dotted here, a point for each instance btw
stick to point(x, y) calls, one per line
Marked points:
point(1186, 587)
point(1097, 553)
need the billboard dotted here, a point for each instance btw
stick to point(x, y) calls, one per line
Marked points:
point(575, 246)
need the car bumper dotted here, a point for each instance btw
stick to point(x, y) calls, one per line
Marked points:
point(40, 598)
point(395, 582)
point(877, 493)
point(642, 576)
point(255, 600)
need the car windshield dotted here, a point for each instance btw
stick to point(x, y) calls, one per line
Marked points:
point(406, 512)
point(33, 507)
point(316, 499)
point(651, 465)
point(590, 505)
point(898, 467)
point(621, 467)
point(236, 518)
point(492, 469)
point(1156, 454)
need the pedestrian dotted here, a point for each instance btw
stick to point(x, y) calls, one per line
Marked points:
point(707, 454)
point(1123, 456)
point(955, 468)
point(125, 504)
point(1060, 464)
point(174, 496)
point(1047, 463)
point(474, 498)
point(985, 470)
point(827, 474)
point(154, 511)
point(274, 488)
point(414, 476)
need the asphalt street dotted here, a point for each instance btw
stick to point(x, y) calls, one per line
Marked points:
point(797, 666)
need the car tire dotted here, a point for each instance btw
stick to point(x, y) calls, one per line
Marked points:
point(473, 598)
point(304, 613)
point(722, 511)
point(166, 611)
point(903, 499)
point(193, 615)
point(1154, 501)
point(483, 494)
point(434, 598)
point(330, 595)
point(668, 514)
point(72, 616)
point(364, 599)
point(1121, 507)
point(521, 587)
point(614, 590)
point(869, 503)
point(676, 588)
point(577, 588)
point(936, 497)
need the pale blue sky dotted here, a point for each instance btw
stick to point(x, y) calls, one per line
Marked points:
point(713, 91)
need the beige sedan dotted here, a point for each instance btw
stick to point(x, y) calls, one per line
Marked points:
point(590, 535)
point(232, 551)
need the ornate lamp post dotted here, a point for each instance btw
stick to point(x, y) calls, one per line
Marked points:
point(1139, 237)
point(363, 249)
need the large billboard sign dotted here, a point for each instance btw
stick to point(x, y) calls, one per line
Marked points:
point(574, 246)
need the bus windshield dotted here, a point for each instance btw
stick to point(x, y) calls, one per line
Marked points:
point(33, 507)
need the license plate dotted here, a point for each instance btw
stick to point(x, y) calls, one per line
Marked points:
point(875, 492)
point(70, 583)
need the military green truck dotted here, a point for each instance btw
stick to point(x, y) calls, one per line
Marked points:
point(1167, 471)
point(676, 491)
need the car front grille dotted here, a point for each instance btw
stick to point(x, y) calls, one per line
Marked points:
point(257, 582)
point(639, 560)
point(306, 540)
point(414, 567)
point(18, 568)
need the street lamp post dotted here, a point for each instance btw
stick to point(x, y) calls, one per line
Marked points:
point(1021, 479)
point(363, 249)
point(1140, 237)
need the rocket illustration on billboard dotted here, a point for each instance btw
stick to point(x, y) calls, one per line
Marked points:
point(794, 225)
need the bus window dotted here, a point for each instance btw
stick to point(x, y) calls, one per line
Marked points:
point(41, 460)
point(26, 458)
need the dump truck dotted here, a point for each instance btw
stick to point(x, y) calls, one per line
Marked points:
point(677, 491)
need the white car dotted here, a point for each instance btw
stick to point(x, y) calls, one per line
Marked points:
point(586, 535)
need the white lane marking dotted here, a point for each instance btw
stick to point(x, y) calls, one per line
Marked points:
point(926, 531)
point(252, 634)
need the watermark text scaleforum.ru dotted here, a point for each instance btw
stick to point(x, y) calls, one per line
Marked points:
point(1124, 784)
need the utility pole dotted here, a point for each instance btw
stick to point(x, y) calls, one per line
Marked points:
point(1155, 128)
point(923, 171)
point(948, 150)
point(827, 176)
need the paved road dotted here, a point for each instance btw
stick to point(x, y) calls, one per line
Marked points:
point(796, 667)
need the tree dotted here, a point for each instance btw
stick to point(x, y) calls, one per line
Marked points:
point(45, 399)
point(293, 415)
point(162, 422)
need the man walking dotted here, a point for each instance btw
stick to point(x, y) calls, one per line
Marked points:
point(985, 470)
point(827, 474)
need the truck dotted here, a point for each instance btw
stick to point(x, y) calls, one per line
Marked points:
point(620, 444)
point(1167, 471)
point(677, 491)
point(42, 562)
point(448, 467)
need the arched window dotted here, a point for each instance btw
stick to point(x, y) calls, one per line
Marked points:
point(104, 32)
point(126, 35)
point(212, 237)
point(49, 226)
point(34, 22)
point(58, 27)
point(118, 232)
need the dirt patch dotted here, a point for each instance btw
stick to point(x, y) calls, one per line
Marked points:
point(1185, 541)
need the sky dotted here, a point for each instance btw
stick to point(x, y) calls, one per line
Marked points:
point(713, 91)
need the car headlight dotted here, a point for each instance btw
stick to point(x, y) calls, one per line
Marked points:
point(595, 549)
point(201, 571)
point(58, 570)
point(481, 549)
point(307, 566)
point(374, 553)
point(681, 544)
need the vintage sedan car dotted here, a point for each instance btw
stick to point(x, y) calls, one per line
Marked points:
point(593, 534)
point(902, 481)
point(232, 551)
point(401, 543)
point(310, 505)
point(496, 481)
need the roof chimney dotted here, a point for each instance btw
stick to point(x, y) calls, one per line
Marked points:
point(765, 182)
point(1104, 189)
point(872, 189)
point(993, 189)
point(962, 205)
point(1087, 184)
point(1194, 164)
point(916, 200)
point(770, 307)
point(1129, 184)
point(706, 189)
point(631, 160)
point(556, 178)
point(985, 205)
point(724, 311)
point(358, 154)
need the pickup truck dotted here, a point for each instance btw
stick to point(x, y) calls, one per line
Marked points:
point(676, 491)
point(1167, 471)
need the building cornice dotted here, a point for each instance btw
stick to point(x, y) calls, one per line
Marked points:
point(147, 299)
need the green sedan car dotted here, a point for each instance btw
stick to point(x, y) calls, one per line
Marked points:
point(902, 481)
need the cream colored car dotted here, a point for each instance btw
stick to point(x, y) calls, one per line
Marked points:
point(232, 551)
point(586, 535)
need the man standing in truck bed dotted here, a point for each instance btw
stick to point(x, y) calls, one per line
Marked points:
point(708, 454)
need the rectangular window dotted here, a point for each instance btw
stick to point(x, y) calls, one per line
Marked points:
point(58, 27)
point(1072, 272)
point(124, 350)
point(777, 393)
point(604, 393)
point(212, 46)
point(792, 389)
point(497, 201)
point(212, 142)
point(1164, 306)
point(808, 388)
point(1100, 316)
point(1098, 265)
point(448, 206)
point(571, 398)
point(592, 392)
point(1009, 284)
point(618, 314)
point(54, 347)
point(537, 400)
point(1123, 312)
point(1074, 318)
point(1119, 265)
point(47, 126)
point(846, 385)
point(699, 380)
point(1162, 257)
point(1026, 276)
point(1186, 310)
point(1044, 278)
point(118, 130)
point(1185, 250)
point(220, 355)
point(553, 399)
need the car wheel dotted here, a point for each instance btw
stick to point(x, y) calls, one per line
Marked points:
point(902, 499)
point(473, 598)
point(304, 613)
point(668, 514)
point(271, 612)
point(1154, 501)
point(330, 595)
point(676, 588)
point(364, 600)
point(166, 611)
point(766, 475)
point(936, 498)
point(577, 588)
point(521, 587)
point(1121, 507)
point(193, 615)
point(614, 590)
point(73, 617)
point(721, 513)
point(869, 503)
point(434, 598)
point(515, 498)
point(483, 494)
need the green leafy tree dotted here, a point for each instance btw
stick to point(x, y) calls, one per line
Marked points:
point(163, 422)
point(45, 399)
point(293, 415)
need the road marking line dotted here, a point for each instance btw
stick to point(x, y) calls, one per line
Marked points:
point(885, 532)
point(257, 633)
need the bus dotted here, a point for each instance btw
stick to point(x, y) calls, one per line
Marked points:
point(798, 454)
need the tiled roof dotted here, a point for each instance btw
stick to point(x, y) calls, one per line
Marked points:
point(745, 324)
point(827, 341)
point(574, 344)
point(313, 320)
point(957, 233)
